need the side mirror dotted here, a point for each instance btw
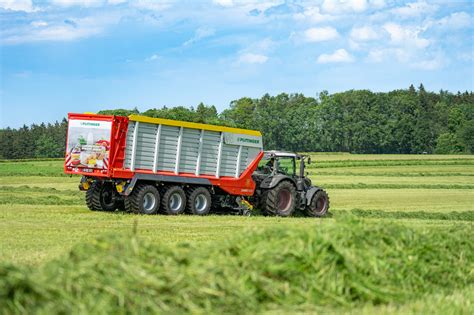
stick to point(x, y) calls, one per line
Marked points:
point(309, 160)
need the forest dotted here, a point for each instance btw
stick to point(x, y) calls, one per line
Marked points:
point(411, 121)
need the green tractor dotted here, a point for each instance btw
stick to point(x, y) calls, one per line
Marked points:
point(283, 186)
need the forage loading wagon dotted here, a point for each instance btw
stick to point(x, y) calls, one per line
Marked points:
point(147, 165)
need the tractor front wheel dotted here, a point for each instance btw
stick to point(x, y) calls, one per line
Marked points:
point(319, 205)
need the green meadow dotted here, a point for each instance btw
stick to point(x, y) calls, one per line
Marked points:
point(398, 240)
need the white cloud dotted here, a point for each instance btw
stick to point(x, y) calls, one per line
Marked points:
point(384, 54)
point(158, 5)
point(224, 3)
point(413, 59)
point(79, 28)
point(112, 2)
point(405, 36)
point(340, 55)
point(378, 4)
point(415, 9)
point(17, 5)
point(252, 58)
point(80, 3)
point(431, 64)
point(319, 34)
point(344, 6)
point(200, 33)
point(456, 20)
point(39, 23)
point(314, 15)
point(152, 57)
point(364, 33)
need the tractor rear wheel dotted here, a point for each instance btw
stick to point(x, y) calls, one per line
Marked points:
point(319, 205)
point(102, 197)
point(174, 200)
point(144, 199)
point(199, 201)
point(281, 200)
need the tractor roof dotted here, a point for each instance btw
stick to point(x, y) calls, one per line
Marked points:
point(270, 154)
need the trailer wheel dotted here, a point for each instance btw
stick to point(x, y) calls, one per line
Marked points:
point(319, 205)
point(108, 197)
point(174, 200)
point(144, 199)
point(102, 197)
point(93, 196)
point(199, 201)
point(281, 200)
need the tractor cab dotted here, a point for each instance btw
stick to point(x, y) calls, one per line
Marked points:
point(292, 165)
point(283, 185)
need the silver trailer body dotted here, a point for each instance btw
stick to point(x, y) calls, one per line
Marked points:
point(155, 144)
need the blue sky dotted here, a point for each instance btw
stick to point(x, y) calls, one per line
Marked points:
point(64, 56)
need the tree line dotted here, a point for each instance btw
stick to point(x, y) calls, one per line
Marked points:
point(410, 121)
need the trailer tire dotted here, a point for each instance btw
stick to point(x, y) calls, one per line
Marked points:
point(109, 198)
point(199, 201)
point(174, 200)
point(319, 205)
point(93, 196)
point(102, 197)
point(144, 199)
point(281, 200)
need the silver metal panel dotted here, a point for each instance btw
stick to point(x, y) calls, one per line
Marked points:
point(178, 150)
point(168, 148)
point(219, 156)
point(228, 163)
point(198, 163)
point(239, 156)
point(189, 150)
point(185, 150)
point(157, 149)
point(134, 147)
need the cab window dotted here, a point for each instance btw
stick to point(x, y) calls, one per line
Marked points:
point(266, 165)
point(286, 165)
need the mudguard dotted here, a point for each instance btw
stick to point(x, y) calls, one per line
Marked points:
point(272, 181)
point(310, 193)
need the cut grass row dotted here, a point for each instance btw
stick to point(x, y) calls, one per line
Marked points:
point(404, 171)
point(343, 156)
point(33, 234)
point(71, 183)
point(341, 266)
point(55, 168)
point(420, 215)
point(401, 199)
point(385, 163)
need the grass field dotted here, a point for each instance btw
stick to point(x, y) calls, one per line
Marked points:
point(396, 200)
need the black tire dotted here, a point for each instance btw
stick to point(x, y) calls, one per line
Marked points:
point(319, 205)
point(144, 199)
point(247, 213)
point(199, 201)
point(102, 197)
point(281, 200)
point(93, 196)
point(174, 200)
point(109, 198)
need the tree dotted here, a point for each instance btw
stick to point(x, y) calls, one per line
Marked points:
point(466, 134)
